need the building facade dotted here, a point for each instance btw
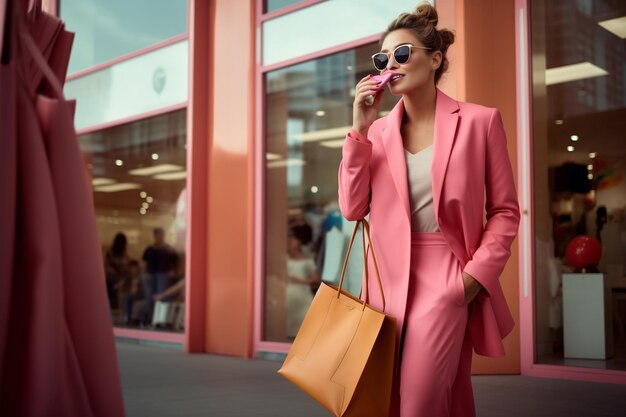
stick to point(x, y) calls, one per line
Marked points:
point(221, 122)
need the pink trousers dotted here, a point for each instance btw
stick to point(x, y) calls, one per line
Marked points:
point(433, 377)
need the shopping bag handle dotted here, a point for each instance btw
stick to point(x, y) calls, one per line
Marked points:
point(370, 246)
point(364, 230)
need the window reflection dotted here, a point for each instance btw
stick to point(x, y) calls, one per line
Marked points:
point(579, 182)
point(138, 178)
point(108, 29)
point(309, 111)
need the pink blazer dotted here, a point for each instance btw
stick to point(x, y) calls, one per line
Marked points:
point(470, 162)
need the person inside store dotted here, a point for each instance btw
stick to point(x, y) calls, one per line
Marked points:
point(424, 173)
point(301, 274)
point(161, 263)
point(116, 263)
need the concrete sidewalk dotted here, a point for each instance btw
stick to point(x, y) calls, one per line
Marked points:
point(163, 382)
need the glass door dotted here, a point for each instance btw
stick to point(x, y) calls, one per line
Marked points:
point(578, 172)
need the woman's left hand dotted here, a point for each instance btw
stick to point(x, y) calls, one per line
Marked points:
point(472, 287)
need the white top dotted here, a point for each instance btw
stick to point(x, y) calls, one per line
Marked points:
point(421, 190)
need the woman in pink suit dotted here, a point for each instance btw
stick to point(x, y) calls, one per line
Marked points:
point(424, 173)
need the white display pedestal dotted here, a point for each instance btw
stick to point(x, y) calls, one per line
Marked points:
point(587, 330)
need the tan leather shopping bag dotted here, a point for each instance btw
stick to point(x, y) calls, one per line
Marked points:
point(343, 354)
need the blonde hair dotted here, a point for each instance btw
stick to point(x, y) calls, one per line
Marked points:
point(423, 24)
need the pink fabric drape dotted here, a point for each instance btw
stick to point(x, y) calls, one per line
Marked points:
point(57, 355)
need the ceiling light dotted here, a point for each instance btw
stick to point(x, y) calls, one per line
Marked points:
point(590, 167)
point(573, 72)
point(156, 169)
point(155, 156)
point(272, 156)
point(119, 162)
point(320, 113)
point(285, 163)
point(171, 176)
point(337, 143)
point(574, 138)
point(314, 189)
point(592, 155)
point(149, 199)
point(101, 181)
point(142, 211)
point(615, 26)
point(558, 122)
point(334, 133)
point(570, 149)
point(145, 205)
point(123, 186)
point(143, 194)
point(349, 67)
point(590, 176)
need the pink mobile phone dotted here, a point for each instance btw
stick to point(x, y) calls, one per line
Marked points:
point(382, 80)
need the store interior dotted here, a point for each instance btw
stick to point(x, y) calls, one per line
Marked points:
point(579, 182)
point(138, 173)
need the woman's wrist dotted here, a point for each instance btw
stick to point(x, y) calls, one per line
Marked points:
point(470, 280)
point(472, 287)
point(360, 130)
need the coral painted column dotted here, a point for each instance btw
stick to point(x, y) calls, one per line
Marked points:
point(230, 204)
point(220, 146)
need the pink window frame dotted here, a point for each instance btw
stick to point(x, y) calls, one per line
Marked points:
point(123, 58)
point(528, 355)
point(261, 345)
point(123, 332)
point(128, 56)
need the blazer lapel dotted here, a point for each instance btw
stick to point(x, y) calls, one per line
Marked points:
point(446, 119)
point(394, 149)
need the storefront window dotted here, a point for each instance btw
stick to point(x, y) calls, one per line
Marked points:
point(308, 112)
point(107, 29)
point(579, 153)
point(138, 175)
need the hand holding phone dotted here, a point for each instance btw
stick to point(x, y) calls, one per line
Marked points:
point(382, 82)
point(367, 97)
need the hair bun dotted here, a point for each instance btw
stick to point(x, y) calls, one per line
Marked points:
point(447, 38)
point(427, 12)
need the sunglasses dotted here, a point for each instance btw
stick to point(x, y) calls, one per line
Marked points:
point(401, 55)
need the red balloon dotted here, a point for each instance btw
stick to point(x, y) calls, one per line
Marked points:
point(583, 251)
